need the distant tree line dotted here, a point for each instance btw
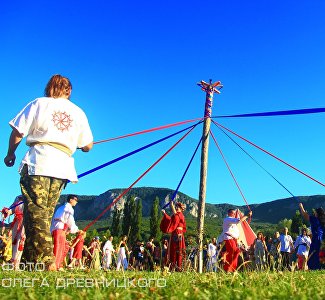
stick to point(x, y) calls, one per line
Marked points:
point(128, 221)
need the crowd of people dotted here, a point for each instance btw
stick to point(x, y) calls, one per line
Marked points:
point(225, 252)
point(98, 255)
point(278, 252)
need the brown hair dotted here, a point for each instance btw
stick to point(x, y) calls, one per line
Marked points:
point(182, 206)
point(58, 86)
point(262, 235)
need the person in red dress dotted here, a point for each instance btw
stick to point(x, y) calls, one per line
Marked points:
point(78, 245)
point(175, 225)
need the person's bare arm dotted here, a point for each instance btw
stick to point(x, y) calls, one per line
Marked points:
point(14, 141)
point(76, 242)
point(303, 212)
point(172, 206)
point(249, 215)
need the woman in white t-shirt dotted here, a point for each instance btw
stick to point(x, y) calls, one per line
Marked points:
point(54, 128)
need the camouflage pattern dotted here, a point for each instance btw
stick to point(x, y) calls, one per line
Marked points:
point(41, 195)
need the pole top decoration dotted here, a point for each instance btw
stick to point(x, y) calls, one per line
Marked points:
point(210, 87)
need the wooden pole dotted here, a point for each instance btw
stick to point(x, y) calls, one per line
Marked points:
point(209, 88)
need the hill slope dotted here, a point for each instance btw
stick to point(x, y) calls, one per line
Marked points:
point(89, 207)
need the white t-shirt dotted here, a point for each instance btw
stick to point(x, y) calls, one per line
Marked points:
point(286, 242)
point(230, 228)
point(212, 250)
point(212, 253)
point(64, 215)
point(56, 121)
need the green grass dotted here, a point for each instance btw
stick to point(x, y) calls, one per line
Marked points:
point(161, 285)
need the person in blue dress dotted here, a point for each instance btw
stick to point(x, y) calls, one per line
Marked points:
point(317, 224)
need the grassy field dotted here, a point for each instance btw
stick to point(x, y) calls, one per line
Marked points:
point(161, 285)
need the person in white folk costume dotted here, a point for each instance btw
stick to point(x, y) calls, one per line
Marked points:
point(108, 251)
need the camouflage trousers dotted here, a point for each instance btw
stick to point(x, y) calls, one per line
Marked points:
point(41, 194)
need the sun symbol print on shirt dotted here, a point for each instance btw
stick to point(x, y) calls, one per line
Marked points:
point(62, 121)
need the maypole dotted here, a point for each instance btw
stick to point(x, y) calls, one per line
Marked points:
point(210, 88)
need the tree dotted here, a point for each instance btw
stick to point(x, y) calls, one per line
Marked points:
point(297, 223)
point(106, 234)
point(155, 220)
point(136, 222)
point(91, 235)
point(284, 223)
point(129, 212)
point(116, 222)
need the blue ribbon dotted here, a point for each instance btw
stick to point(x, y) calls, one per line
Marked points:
point(277, 113)
point(13, 206)
point(134, 152)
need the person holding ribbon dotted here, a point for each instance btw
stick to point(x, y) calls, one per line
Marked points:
point(176, 225)
point(230, 236)
point(317, 224)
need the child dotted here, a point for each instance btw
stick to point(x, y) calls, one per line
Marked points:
point(77, 246)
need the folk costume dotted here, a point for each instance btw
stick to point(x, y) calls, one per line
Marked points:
point(230, 236)
point(77, 248)
point(78, 243)
point(94, 251)
point(302, 244)
point(54, 128)
point(108, 250)
point(175, 225)
point(122, 260)
point(233, 226)
point(62, 222)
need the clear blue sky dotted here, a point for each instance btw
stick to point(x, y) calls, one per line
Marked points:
point(134, 65)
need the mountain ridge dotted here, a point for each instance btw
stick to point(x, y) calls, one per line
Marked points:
point(89, 207)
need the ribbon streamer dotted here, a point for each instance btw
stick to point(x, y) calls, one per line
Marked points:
point(277, 113)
